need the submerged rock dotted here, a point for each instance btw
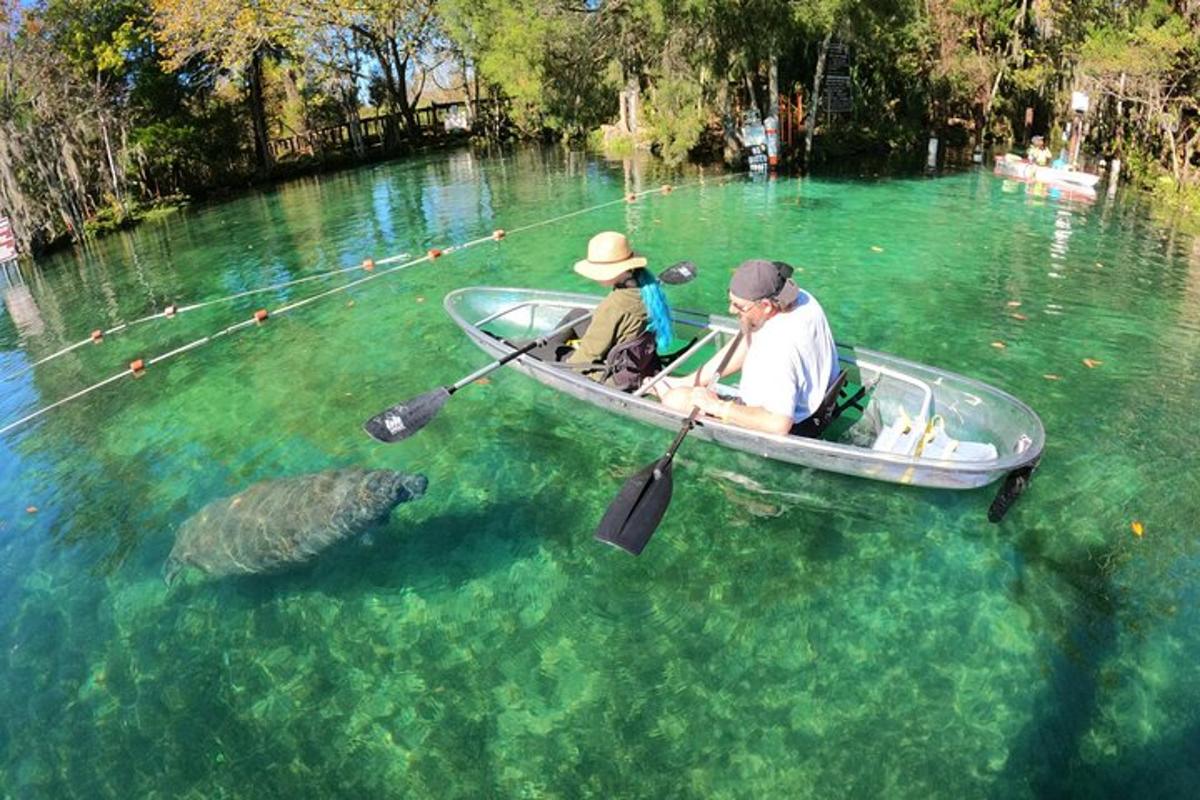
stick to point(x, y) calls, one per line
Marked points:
point(279, 523)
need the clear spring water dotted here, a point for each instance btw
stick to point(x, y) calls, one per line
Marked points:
point(786, 634)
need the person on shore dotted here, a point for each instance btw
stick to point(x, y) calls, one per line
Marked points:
point(786, 355)
point(1039, 153)
point(634, 316)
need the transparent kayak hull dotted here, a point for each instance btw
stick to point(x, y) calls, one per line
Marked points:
point(1024, 170)
point(983, 433)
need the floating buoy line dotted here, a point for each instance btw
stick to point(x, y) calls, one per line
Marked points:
point(138, 367)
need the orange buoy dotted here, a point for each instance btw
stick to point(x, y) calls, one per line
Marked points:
point(137, 367)
point(631, 198)
point(368, 264)
point(260, 316)
point(498, 234)
point(97, 336)
point(434, 253)
point(667, 188)
point(170, 310)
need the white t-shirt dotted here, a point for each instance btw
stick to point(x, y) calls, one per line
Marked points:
point(792, 361)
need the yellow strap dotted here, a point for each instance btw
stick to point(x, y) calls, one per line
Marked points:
point(931, 432)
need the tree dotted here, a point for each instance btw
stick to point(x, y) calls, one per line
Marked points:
point(235, 36)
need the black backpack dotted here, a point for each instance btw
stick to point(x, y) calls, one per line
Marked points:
point(628, 363)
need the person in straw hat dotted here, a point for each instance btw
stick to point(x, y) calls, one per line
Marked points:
point(786, 355)
point(635, 305)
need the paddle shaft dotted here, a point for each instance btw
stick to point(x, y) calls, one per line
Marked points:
point(536, 343)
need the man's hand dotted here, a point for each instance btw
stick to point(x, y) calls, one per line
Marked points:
point(708, 401)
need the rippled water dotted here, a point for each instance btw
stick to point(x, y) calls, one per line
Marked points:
point(786, 634)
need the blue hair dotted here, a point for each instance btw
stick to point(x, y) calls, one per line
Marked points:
point(656, 307)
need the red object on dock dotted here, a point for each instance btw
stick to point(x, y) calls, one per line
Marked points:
point(261, 315)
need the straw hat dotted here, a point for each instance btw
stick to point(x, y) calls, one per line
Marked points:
point(608, 255)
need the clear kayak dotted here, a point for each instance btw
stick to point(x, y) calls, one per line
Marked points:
point(1015, 167)
point(913, 424)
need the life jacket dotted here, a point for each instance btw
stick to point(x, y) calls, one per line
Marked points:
point(628, 363)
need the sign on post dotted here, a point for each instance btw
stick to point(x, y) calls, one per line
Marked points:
point(8, 243)
point(838, 97)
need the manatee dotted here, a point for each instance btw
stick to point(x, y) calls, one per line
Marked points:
point(276, 524)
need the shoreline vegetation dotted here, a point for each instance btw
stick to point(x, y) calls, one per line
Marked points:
point(112, 110)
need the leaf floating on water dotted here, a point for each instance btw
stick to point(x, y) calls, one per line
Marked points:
point(1091, 363)
point(1013, 304)
point(31, 510)
point(484, 381)
point(350, 304)
point(999, 345)
point(1098, 264)
point(1137, 528)
point(1019, 316)
point(1050, 376)
point(876, 248)
point(420, 299)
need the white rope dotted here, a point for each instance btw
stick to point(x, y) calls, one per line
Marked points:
point(430, 256)
point(183, 310)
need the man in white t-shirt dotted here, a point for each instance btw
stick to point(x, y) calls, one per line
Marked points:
point(786, 355)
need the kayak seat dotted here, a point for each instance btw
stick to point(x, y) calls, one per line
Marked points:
point(833, 405)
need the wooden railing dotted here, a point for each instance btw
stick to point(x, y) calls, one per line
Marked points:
point(431, 120)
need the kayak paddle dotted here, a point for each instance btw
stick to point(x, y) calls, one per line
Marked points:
point(404, 419)
point(634, 515)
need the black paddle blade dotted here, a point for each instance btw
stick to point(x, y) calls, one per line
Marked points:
point(634, 515)
point(404, 419)
point(679, 273)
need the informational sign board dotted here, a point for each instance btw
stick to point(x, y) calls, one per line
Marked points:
point(837, 59)
point(8, 244)
point(838, 97)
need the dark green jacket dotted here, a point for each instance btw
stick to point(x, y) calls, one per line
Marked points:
point(619, 318)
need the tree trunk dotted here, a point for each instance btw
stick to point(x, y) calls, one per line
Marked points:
point(258, 115)
point(353, 120)
point(732, 145)
point(773, 87)
point(632, 91)
point(406, 108)
point(112, 166)
point(811, 123)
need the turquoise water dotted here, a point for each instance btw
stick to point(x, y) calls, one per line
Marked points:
point(786, 634)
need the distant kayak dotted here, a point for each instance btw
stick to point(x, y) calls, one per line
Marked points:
point(1013, 167)
point(910, 424)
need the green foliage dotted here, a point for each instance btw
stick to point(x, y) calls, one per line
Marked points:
point(675, 116)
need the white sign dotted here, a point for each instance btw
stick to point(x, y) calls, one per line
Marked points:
point(8, 244)
point(1079, 102)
